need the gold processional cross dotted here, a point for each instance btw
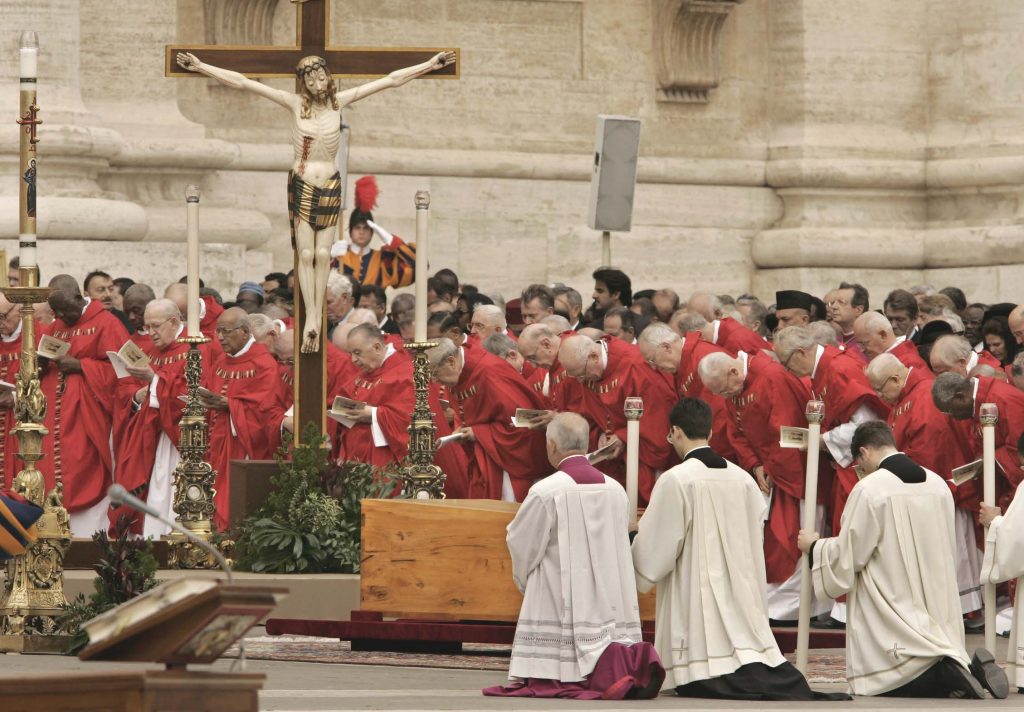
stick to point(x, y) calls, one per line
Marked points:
point(312, 31)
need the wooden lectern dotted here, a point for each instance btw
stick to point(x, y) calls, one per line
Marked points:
point(181, 622)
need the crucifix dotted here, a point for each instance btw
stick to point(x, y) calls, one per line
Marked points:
point(314, 185)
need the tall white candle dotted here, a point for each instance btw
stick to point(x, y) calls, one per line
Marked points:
point(633, 407)
point(28, 56)
point(988, 414)
point(422, 253)
point(815, 414)
point(192, 208)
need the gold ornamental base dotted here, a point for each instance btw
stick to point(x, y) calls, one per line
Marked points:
point(421, 478)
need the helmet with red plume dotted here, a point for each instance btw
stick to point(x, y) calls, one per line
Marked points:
point(366, 200)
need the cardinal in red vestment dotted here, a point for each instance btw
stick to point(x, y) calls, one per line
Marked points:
point(80, 388)
point(243, 380)
point(837, 379)
point(734, 337)
point(611, 371)
point(148, 455)
point(762, 397)
point(664, 350)
point(485, 391)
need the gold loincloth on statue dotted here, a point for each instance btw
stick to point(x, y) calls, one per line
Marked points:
point(318, 207)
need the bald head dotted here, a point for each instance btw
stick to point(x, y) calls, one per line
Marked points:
point(706, 304)
point(722, 374)
point(264, 329)
point(539, 345)
point(340, 335)
point(362, 316)
point(233, 330)
point(178, 293)
point(557, 323)
point(1016, 322)
point(367, 347)
point(284, 347)
point(887, 376)
point(65, 283)
point(661, 347)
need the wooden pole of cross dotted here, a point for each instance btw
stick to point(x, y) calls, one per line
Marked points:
point(312, 30)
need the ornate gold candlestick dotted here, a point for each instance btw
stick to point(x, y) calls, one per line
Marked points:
point(33, 597)
point(421, 478)
point(194, 476)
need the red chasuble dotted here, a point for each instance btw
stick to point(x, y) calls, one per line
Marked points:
point(389, 389)
point(485, 398)
point(135, 455)
point(924, 433)
point(249, 381)
point(771, 398)
point(906, 352)
point(688, 385)
point(734, 337)
point(839, 382)
point(1009, 427)
point(10, 363)
point(81, 406)
point(627, 375)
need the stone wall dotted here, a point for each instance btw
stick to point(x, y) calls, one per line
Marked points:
point(875, 141)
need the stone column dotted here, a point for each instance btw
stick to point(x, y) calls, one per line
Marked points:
point(847, 120)
point(74, 148)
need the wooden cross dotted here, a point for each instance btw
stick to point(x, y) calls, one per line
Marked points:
point(312, 37)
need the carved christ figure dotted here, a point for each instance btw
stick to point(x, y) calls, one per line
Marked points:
point(314, 183)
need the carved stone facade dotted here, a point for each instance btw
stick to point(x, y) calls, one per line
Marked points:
point(874, 141)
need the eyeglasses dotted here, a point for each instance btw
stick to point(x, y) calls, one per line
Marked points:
point(10, 311)
point(837, 302)
point(222, 331)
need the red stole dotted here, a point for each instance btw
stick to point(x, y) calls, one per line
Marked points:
point(389, 389)
point(80, 408)
point(734, 337)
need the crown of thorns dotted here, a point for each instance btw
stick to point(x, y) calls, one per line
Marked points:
point(307, 65)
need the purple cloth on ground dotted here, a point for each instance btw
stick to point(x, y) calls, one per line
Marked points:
point(621, 669)
point(580, 469)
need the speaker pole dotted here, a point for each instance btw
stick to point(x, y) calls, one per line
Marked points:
point(606, 248)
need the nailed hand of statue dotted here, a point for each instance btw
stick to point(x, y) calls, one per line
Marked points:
point(443, 59)
point(187, 60)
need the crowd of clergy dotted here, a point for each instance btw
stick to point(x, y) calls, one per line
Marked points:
point(923, 362)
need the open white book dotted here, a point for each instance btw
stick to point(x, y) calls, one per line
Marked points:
point(601, 454)
point(790, 437)
point(526, 417)
point(6, 387)
point(966, 473)
point(129, 355)
point(339, 408)
point(52, 347)
point(441, 442)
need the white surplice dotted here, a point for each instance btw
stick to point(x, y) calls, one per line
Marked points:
point(894, 557)
point(1004, 560)
point(701, 541)
point(570, 557)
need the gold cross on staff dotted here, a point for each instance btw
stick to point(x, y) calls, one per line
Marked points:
point(312, 37)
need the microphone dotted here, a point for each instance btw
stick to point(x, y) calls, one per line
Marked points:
point(119, 495)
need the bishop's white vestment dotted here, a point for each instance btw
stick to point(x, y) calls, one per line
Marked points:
point(1004, 560)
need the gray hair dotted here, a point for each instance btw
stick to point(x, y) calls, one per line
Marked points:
point(445, 349)
point(823, 333)
point(953, 320)
point(499, 344)
point(569, 432)
point(692, 322)
point(793, 338)
point(339, 284)
point(574, 298)
point(713, 367)
point(260, 325)
point(951, 348)
point(556, 323)
point(874, 322)
point(947, 386)
point(362, 315)
point(164, 307)
point(882, 366)
point(758, 313)
point(657, 333)
point(923, 290)
point(493, 313)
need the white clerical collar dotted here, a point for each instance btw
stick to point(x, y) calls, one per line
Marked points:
point(714, 331)
point(15, 336)
point(88, 301)
point(974, 396)
point(576, 326)
point(181, 328)
point(743, 356)
point(382, 322)
point(899, 340)
point(817, 358)
point(388, 353)
point(202, 309)
point(972, 362)
point(248, 345)
point(604, 355)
